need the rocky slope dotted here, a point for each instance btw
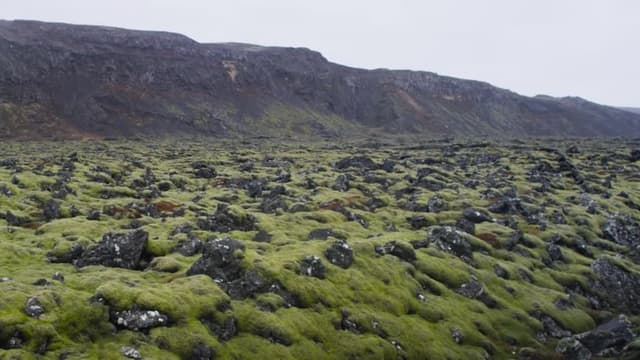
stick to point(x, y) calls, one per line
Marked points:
point(65, 81)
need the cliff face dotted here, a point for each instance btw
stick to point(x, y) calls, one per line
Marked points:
point(83, 81)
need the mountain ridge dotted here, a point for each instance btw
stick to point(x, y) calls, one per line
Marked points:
point(77, 81)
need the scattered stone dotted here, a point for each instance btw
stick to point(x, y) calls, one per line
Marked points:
point(342, 183)
point(189, 247)
point(219, 260)
point(202, 352)
point(361, 162)
point(311, 265)
point(137, 319)
point(447, 238)
point(117, 250)
point(33, 307)
point(397, 249)
point(418, 222)
point(223, 220)
point(203, 170)
point(500, 271)
point(93, 215)
point(457, 336)
point(617, 286)
point(262, 236)
point(340, 254)
point(437, 204)
point(51, 210)
point(606, 340)
point(324, 234)
point(225, 330)
point(476, 216)
point(623, 230)
point(131, 352)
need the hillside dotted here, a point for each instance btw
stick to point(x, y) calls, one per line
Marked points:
point(70, 81)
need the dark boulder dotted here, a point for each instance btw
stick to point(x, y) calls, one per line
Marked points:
point(617, 286)
point(360, 162)
point(465, 225)
point(447, 238)
point(33, 307)
point(224, 220)
point(437, 204)
point(476, 216)
point(219, 260)
point(51, 210)
point(262, 236)
point(418, 222)
point(324, 234)
point(311, 265)
point(189, 247)
point(137, 319)
point(342, 183)
point(224, 330)
point(622, 229)
point(123, 250)
point(397, 249)
point(508, 205)
point(203, 170)
point(339, 254)
point(606, 340)
point(201, 352)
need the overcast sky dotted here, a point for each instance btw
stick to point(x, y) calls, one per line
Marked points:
point(587, 48)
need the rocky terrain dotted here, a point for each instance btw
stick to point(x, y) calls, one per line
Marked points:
point(69, 81)
point(226, 250)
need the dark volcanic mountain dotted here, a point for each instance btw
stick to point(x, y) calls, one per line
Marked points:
point(59, 80)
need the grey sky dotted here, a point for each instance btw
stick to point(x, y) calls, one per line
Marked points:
point(587, 48)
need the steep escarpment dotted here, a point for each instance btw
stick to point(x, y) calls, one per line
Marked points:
point(59, 80)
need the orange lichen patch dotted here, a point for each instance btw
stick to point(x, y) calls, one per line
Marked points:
point(490, 239)
point(335, 205)
point(166, 206)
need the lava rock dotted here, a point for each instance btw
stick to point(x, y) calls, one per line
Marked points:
point(399, 250)
point(617, 286)
point(508, 205)
point(623, 230)
point(500, 271)
point(51, 210)
point(342, 183)
point(262, 236)
point(311, 265)
point(203, 170)
point(447, 238)
point(324, 234)
point(606, 340)
point(33, 307)
point(93, 215)
point(225, 330)
point(476, 216)
point(418, 222)
point(457, 336)
point(223, 220)
point(340, 254)
point(202, 352)
point(131, 353)
point(436, 204)
point(189, 247)
point(360, 162)
point(219, 260)
point(117, 250)
point(137, 319)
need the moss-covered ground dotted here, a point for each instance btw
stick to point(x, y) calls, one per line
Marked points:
point(381, 307)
